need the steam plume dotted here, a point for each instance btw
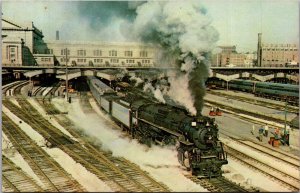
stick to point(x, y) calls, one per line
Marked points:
point(156, 92)
point(183, 29)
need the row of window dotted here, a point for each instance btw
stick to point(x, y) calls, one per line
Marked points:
point(287, 60)
point(145, 61)
point(99, 53)
point(46, 59)
point(81, 60)
point(63, 59)
point(99, 60)
point(129, 61)
point(113, 60)
point(277, 49)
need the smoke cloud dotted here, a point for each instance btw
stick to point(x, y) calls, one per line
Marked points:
point(183, 29)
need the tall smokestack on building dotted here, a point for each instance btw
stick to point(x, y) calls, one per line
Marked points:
point(259, 50)
point(57, 35)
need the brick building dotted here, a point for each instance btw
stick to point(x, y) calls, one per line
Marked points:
point(276, 55)
point(228, 57)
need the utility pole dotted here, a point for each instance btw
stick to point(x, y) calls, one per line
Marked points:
point(285, 115)
point(67, 74)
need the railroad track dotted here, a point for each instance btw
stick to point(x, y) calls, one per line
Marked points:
point(239, 113)
point(219, 184)
point(14, 86)
point(291, 160)
point(124, 167)
point(272, 172)
point(16, 180)
point(281, 107)
point(53, 176)
point(97, 164)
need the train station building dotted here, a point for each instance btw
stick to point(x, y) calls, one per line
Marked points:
point(24, 45)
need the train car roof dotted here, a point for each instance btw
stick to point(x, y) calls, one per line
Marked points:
point(100, 86)
point(267, 83)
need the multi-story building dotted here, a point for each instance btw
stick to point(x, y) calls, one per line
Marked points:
point(24, 45)
point(20, 44)
point(276, 55)
point(102, 53)
point(228, 57)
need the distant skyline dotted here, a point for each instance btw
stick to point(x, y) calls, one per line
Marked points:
point(237, 21)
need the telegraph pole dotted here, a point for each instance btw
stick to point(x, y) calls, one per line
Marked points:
point(67, 74)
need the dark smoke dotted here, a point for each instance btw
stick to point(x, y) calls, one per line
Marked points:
point(99, 14)
point(183, 29)
point(197, 82)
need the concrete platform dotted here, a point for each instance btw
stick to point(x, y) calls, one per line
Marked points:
point(232, 125)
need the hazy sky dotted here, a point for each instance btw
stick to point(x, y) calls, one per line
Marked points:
point(237, 21)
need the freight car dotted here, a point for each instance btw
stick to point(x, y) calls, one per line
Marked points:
point(276, 91)
point(195, 137)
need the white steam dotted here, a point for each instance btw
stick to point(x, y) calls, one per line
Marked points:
point(179, 92)
point(160, 162)
point(156, 92)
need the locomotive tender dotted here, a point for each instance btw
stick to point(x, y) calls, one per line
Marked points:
point(196, 138)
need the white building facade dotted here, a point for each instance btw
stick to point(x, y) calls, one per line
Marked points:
point(24, 45)
point(107, 54)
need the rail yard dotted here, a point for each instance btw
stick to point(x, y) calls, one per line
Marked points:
point(46, 138)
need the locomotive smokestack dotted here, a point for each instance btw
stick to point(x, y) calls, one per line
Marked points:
point(259, 50)
point(57, 35)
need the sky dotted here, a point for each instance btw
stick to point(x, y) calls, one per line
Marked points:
point(237, 21)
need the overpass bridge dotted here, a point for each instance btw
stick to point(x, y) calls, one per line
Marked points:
point(112, 73)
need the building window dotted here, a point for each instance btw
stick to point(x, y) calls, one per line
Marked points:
point(81, 60)
point(143, 54)
point(45, 59)
point(81, 52)
point(98, 60)
point(128, 53)
point(145, 61)
point(113, 53)
point(11, 54)
point(129, 61)
point(63, 52)
point(113, 60)
point(97, 53)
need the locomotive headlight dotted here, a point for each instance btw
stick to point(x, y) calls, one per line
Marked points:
point(194, 124)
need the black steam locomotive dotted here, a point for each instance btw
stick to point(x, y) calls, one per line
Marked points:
point(196, 138)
